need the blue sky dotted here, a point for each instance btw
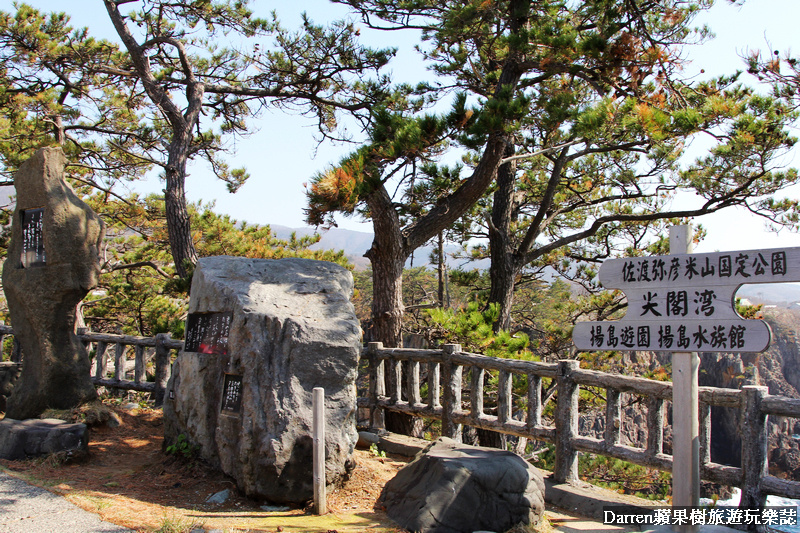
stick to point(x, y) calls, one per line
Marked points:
point(283, 154)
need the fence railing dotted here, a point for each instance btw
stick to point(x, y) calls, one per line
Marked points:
point(121, 350)
point(391, 370)
point(394, 384)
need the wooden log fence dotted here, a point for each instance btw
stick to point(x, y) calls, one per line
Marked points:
point(450, 367)
point(120, 347)
point(444, 401)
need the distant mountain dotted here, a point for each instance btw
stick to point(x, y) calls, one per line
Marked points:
point(356, 243)
point(780, 294)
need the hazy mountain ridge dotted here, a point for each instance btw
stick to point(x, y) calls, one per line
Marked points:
point(356, 243)
point(780, 294)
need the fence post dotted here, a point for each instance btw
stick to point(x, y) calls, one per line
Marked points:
point(655, 426)
point(451, 399)
point(705, 433)
point(101, 360)
point(162, 368)
point(433, 398)
point(613, 417)
point(16, 351)
point(476, 392)
point(754, 446)
point(505, 400)
point(377, 386)
point(566, 468)
point(412, 383)
point(119, 361)
point(318, 408)
point(80, 332)
point(394, 379)
point(139, 371)
point(534, 401)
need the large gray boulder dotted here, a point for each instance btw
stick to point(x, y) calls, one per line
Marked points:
point(456, 488)
point(292, 328)
point(53, 262)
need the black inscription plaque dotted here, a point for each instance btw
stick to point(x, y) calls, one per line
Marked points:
point(208, 332)
point(32, 237)
point(232, 393)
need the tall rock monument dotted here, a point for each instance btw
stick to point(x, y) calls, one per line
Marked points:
point(260, 336)
point(53, 262)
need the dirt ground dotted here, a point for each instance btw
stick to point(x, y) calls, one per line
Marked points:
point(129, 481)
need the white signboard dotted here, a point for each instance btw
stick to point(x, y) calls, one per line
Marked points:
point(685, 302)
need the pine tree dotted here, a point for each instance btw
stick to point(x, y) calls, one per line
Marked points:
point(576, 120)
point(173, 93)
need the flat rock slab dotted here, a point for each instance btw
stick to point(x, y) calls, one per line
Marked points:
point(28, 509)
point(456, 488)
point(22, 439)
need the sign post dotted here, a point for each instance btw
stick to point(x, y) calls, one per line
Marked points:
point(685, 303)
point(685, 406)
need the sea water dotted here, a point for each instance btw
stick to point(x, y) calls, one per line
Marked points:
point(772, 501)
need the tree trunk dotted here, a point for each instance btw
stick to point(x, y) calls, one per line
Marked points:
point(503, 270)
point(181, 122)
point(387, 256)
point(387, 297)
point(441, 268)
point(178, 224)
point(503, 276)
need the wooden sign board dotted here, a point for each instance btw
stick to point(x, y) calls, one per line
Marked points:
point(741, 336)
point(685, 302)
point(32, 237)
point(702, 270)
point(232, 393)
point(208, 332)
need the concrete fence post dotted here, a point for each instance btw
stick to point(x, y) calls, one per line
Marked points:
point(318, 407)
point(377, 386)
point(566, 468)
point(162, 367)
point(451, 399)
point(754, 446)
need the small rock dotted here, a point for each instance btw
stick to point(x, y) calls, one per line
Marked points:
point(114, 421)
point(367, 439)
point(220, 497)
point(130, 406)
point(275, 508)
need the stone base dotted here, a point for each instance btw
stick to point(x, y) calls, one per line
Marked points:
point(22, 439)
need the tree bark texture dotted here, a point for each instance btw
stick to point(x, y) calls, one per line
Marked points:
point(387, 256)
point(179, 227)
point(503, 269)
